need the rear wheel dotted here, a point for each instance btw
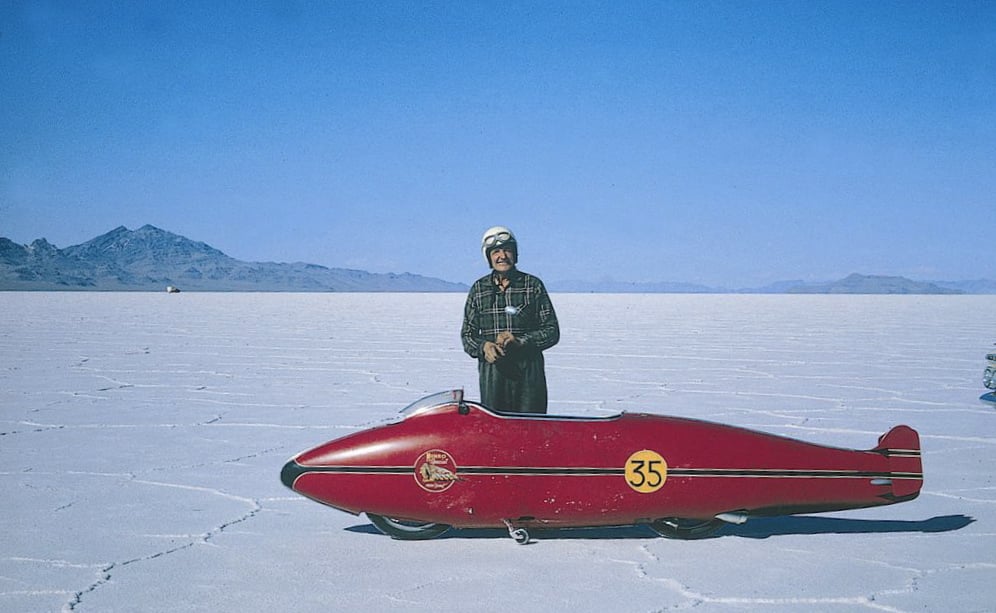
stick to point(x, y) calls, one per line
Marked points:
point(406, 530)
point(686, 529)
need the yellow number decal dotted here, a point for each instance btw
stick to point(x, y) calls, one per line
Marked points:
point(646, 471)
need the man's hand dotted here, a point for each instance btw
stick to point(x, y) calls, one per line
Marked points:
point(505, 339)
point(492, 351)
point(495, 350)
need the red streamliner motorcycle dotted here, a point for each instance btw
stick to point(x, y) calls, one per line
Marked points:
point(449, 462)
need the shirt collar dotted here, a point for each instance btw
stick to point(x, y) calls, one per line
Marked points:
point(513, 276)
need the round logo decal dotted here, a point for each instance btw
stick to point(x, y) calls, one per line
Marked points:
point(646, 471)
point(435, 470)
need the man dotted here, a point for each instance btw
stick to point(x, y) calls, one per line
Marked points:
point(508, 322)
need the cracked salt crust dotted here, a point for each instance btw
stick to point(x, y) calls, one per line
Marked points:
point(140, 450)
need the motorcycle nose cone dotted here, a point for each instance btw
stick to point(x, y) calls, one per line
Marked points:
point(290, 472)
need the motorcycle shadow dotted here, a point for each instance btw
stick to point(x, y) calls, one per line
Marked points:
point(766, 527)
point(756, 528)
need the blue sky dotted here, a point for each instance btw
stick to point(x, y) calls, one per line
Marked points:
point(724, 143)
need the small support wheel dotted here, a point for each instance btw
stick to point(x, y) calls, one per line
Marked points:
point(519, 535)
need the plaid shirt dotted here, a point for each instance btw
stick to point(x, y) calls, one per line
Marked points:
point(523, 308)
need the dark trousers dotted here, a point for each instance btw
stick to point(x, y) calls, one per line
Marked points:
point(515, 384)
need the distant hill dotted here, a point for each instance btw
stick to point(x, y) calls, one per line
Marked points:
point(872, 284)
point(151, 259)
point(853, 284)
point(977, 286)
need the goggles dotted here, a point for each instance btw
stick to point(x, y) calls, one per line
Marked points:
point(498, 238)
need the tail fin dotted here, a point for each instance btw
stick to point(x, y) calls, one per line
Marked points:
point(902, 446)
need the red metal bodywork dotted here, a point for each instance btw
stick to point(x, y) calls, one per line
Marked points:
point(460, 464)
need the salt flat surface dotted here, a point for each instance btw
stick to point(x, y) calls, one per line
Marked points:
point(142, 436)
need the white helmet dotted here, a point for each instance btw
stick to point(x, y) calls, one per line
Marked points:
point(499, 236)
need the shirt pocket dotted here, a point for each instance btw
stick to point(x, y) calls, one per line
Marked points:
point(525, 313)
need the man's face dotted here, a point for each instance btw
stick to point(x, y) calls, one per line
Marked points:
point(502, 259)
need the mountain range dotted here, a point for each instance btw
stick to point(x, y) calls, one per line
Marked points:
point(151, 259)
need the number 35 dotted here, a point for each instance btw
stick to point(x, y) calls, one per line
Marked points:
point(646, 471)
